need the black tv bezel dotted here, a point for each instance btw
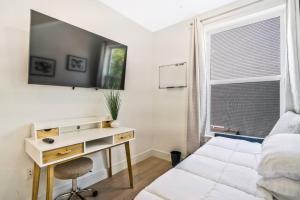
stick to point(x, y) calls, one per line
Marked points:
point(74, 86)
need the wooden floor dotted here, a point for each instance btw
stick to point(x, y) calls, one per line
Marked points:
point(117, 187)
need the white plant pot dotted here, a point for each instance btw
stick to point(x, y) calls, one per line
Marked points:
point(115, 124)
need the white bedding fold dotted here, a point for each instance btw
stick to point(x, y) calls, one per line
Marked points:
point(282, 188)
point(281, 157)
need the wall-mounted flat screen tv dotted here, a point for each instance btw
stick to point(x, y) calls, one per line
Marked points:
point(65, 55)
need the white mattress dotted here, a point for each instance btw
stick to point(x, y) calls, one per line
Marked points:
point(223, 169)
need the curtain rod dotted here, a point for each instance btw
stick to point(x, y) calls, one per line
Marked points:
point(228, 11)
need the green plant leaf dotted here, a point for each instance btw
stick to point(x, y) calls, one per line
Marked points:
point(113, 102)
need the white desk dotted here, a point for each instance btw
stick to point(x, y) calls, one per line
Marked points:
point(68, 145)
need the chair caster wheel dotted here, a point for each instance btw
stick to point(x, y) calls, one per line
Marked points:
point(95, 193)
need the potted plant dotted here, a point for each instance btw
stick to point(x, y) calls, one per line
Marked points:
point(113, 103)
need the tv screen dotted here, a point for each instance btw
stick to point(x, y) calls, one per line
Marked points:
point(65, 55)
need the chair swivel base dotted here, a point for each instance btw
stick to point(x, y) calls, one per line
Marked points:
point(77, 193)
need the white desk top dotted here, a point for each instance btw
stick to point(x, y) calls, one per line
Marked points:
point(77, 137)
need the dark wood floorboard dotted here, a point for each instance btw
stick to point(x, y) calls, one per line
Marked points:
point(117, 187)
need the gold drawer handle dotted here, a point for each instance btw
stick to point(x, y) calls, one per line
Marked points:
point(64, 152)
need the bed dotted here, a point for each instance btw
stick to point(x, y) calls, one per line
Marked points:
point(222, 169)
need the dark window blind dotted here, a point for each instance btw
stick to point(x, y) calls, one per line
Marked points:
point(251, 108)
point(249, 51)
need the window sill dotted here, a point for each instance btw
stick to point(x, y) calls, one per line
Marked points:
point(240, 137)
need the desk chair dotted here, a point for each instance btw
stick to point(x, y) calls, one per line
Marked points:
point(72, 170)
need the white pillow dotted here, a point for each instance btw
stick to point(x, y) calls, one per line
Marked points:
point(289, 122)
point(280, 156)
point(281, 188)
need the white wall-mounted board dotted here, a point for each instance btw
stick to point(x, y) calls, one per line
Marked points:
point(173, 76)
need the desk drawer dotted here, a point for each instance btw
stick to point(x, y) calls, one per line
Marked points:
point(60, 153)
point(124, 137)
point(47, 133)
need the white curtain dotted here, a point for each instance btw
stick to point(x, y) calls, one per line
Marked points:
point(293, 49)
point(196, 116)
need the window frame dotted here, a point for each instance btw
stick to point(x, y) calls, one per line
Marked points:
point(216, 27)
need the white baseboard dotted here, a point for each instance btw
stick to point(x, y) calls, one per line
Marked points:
point(119, 166)
point(161, 154)
point(102, 174)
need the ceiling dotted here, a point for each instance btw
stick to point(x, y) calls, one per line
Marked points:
point(158, 14)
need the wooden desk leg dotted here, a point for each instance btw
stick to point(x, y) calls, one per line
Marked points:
point(50, 180)
point(109, 162)
point(127, 148)
point(36, 181)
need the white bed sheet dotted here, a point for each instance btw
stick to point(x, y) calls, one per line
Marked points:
point(223, 169)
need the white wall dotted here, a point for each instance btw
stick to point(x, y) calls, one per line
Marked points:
point(171, 45)
point(21, 104)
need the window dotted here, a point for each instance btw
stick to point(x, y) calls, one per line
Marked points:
point(115, 69)
point(112, 74)
point(245, 76)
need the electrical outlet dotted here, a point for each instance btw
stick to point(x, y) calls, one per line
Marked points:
point(29, 173)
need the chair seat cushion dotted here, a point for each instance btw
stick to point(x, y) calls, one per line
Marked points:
point(73, 168)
